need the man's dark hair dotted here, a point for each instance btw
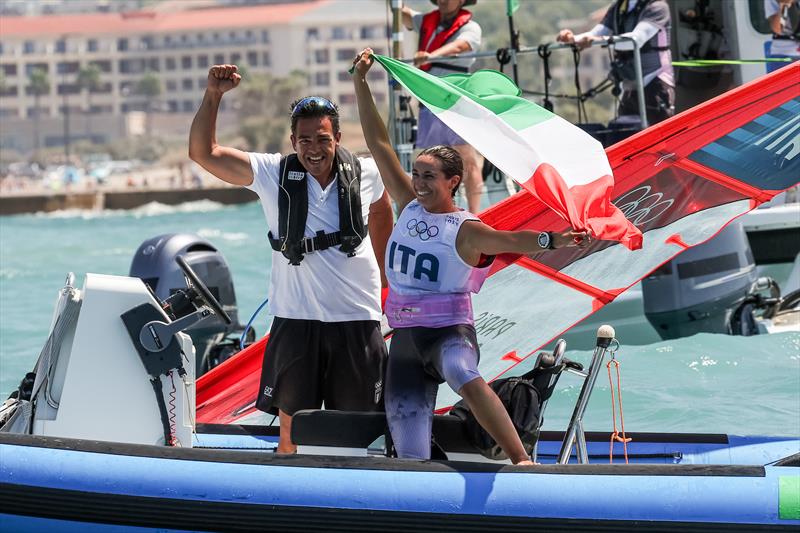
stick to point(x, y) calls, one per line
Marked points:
point(450, 159)
point(314, 106)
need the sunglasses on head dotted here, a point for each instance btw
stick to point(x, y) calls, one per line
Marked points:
point(310, 102)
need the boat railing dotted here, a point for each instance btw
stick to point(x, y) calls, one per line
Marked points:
point(575, 435)
point(612, 41)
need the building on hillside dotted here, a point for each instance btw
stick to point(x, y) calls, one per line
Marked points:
point(319, 37)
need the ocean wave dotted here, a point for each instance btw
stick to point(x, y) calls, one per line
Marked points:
point(10, 273)
point(150, 209)
point(210, 233)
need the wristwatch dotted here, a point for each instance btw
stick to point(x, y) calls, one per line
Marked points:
point(545, 240)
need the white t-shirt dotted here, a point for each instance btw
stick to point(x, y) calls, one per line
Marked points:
point(327, 285)
point(780, 47)
point(469, 32)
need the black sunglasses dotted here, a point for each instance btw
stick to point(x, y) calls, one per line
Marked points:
point(310, 102)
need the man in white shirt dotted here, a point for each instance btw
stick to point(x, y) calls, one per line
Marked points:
point(648, 22)
point(784, 22)
point(325, 342)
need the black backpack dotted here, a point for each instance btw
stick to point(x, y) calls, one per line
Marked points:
point(523, 397)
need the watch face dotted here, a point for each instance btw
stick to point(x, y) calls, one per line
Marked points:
point(544, 240)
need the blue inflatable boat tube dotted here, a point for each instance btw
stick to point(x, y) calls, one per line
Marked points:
point(54, 484)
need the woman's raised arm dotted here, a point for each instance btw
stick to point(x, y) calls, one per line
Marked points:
point(394, 177)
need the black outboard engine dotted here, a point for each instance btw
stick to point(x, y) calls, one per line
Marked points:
point(702, 288)
point(154, 262)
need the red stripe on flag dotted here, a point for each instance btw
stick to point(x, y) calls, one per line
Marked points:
point(585, 207)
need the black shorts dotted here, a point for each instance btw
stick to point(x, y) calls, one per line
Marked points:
point(308, 362)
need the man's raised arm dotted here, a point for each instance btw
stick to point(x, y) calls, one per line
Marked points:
point(228, 164)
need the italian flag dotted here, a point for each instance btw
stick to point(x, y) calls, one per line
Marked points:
point(557, 162)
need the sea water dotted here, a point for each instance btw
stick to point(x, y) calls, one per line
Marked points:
point(706, 383)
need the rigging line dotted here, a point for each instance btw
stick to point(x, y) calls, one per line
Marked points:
point(250, 323)
point(615, 436)
point(716, 62)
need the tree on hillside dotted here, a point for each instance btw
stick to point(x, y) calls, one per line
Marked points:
point(262, 104)
point(149, 86)
point(39, 84)
point(89, 80)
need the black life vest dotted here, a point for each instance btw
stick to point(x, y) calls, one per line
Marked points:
point(625, 21)
point(293, 209)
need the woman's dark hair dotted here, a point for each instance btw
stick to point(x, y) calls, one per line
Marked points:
point(314, 106)
point(450, 159)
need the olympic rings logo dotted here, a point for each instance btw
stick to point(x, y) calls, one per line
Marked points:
point(641, 206)
point(421, 229)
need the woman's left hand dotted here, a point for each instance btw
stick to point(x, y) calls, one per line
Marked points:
point(581, 239)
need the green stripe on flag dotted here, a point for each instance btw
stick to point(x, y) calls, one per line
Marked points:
point(491, 89)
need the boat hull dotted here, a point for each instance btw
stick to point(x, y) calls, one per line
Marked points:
point(74, 485)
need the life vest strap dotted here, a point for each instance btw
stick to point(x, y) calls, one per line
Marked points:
point(321, 241)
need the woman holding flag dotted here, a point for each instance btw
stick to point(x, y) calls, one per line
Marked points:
point(437, 255)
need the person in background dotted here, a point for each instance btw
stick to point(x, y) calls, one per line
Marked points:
point(448, 30)
point(329, 218)
point(784, 22)
point(437, 255)
point(649, 23)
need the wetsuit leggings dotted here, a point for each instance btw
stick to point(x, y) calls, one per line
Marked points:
point(420, 359)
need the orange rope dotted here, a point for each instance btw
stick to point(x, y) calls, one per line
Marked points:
point(616, 435)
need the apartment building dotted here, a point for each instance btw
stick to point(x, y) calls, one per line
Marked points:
point(319, 37)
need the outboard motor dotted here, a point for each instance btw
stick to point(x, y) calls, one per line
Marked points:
point(700, 290)
point(154, 262)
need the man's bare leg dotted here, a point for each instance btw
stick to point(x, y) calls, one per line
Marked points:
point(473, 176)
point(285, 444)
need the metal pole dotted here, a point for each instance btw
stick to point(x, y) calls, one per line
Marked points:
point(65, 103)
point(514, 47)
point(637, 65)
point(558, 356)
point(399, 113)
point(605, 334)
